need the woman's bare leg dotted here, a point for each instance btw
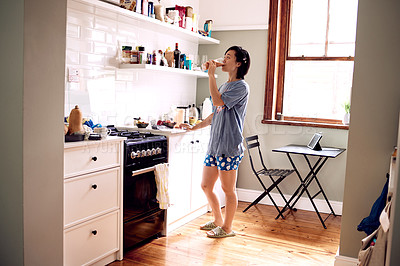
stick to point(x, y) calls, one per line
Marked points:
point(228, 183)
point(210, 176)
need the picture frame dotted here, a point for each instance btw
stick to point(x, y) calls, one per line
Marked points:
point(314, 142)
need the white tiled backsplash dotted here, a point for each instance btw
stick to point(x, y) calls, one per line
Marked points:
point(109, 95)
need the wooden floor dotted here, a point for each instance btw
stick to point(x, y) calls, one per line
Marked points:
point(300, 239)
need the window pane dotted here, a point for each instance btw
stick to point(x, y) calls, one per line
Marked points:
point(341, 49)
point(342, 27)
point(308, 27)
point(317, 89)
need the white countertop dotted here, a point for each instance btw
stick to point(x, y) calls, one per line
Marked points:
point(92, 142)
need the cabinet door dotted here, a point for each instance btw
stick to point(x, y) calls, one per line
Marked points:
point(89, 195)
point(200, 145)
point(90, 158)
point(88, 242)
point(179, 185)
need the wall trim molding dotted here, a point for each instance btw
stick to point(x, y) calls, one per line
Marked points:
point(345, 261)
point(241, 27)
point(249, 195)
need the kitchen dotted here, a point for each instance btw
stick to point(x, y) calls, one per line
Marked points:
point(43, 47)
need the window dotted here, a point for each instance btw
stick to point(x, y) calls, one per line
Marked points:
point(310, 61)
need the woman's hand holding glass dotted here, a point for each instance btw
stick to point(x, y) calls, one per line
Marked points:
point(212, 65)
point(218, 62)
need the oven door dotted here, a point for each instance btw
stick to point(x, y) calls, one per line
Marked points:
point(143, 218)
point(140, 192)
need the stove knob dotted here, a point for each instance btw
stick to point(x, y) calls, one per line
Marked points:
point(134, 155)
point(143, 153)
point(158, 150)
point(138, 154)
point(153, 151)
point(148, 152)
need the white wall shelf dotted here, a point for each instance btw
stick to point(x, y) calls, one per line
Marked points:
point(198, 74)
point(151, 23)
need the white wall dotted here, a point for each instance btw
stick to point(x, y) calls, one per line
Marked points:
point(235, 14)
point(44, 64)
point(107, 94)
point(31, 194)
point(375, 108)
point(11, 112)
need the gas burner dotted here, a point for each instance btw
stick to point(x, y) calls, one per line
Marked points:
point(134, 136)
point(146, 134)
point(130, 134)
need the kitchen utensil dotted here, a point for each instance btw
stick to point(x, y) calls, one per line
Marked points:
point(102, 131)
point(142, 124)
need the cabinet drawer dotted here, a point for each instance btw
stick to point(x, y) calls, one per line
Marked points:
point(84, 159)
point(90, 194)
point(91, 241)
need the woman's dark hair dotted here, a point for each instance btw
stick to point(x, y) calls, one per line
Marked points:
point(242, 56)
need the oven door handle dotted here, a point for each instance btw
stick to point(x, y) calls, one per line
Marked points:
point(144, 170)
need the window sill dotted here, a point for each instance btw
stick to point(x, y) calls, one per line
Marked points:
point(304, 124)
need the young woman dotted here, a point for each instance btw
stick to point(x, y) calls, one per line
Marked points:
point(225, 149)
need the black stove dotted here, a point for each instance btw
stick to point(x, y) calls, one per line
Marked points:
point(142, 149)
point(143, 218)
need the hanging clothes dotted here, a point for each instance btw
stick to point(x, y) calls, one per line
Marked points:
point(370, 223)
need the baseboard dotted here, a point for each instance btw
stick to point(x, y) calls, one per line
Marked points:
point(345, 261)
point(304, 203)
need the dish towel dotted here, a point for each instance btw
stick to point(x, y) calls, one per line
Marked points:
point(161, 174)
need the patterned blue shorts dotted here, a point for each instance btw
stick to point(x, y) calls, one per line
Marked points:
point(223, 163)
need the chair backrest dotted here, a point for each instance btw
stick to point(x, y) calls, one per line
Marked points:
point(252, 143)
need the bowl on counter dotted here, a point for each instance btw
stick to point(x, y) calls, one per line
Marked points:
point(169, 124)
point(142, 125)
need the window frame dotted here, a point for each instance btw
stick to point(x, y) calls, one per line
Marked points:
point(277, 55)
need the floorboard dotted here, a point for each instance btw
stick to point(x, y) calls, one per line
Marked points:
point(299, 239)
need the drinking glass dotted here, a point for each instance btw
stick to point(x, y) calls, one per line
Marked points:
point(219, 62)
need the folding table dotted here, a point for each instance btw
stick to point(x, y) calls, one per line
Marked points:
point(324, 154)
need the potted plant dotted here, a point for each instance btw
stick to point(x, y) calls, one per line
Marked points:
point(346, 117)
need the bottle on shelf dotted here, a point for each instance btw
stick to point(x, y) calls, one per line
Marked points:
point(177, 56)
point(182, 61)
point(126, 54)
point(193, 114)
point(154, 58)
point(142, 56)
point(134, 57)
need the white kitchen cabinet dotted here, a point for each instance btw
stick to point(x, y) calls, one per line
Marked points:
point(93, 174)
point(199, 150)
point(186, 155)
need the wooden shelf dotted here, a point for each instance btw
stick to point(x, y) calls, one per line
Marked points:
point(151, 23)
point(198, 74)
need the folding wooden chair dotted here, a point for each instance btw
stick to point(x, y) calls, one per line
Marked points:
point(276, 175)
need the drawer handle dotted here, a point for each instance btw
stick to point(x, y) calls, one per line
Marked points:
point(94, 186)
point(94, 158)
point(94, 232)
